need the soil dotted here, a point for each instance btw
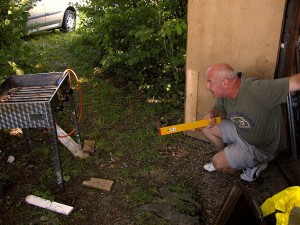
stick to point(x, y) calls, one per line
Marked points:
point(93, 206)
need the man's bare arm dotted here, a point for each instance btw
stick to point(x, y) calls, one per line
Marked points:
point(294, 83)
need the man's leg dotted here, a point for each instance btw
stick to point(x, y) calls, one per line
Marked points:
point(214, 136)
point(221, 164)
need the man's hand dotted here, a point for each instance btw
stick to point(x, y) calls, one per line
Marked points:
point(212, 114)
point(209, 117)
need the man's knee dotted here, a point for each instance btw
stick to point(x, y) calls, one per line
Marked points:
point(215, 131)
point(218, 162)
point(221, 164)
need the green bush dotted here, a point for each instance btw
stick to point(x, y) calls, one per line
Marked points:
point(140, 42)
point(13, 19)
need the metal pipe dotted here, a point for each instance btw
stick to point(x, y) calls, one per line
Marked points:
point(34, 87)
point(28, 97)
point(38, 95)
point(292, 126)
point(24, 100)
point(31, 91)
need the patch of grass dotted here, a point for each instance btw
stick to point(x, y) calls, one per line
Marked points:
point(56, 51)
point(143, 194)
point(44, 194)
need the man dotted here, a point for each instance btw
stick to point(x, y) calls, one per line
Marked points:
point(251, 133)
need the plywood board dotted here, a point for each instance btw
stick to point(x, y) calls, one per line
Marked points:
point(244, 34)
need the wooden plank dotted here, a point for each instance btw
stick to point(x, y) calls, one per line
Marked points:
point(70, 144)
point(100, 184)
point(191, 94)
point(239, 207)
point(89, 146)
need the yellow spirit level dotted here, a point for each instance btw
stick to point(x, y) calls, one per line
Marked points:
point(188, 126)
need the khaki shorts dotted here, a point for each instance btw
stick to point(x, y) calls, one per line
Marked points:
point(239, 153)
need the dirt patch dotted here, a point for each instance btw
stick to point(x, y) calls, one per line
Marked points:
point(184, 158)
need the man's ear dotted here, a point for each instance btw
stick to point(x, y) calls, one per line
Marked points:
point(225, 82)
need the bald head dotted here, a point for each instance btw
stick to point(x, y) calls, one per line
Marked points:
point(221, 71)
point(222, 81)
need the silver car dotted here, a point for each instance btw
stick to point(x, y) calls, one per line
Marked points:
point(52, 14)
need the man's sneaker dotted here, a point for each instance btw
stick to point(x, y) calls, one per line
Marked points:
point(251, 174)
point(209, 167)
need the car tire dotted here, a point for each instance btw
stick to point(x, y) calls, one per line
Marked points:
point(69, 22)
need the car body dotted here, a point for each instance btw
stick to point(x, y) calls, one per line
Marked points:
point(52, 14)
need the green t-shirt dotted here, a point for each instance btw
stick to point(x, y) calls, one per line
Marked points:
point(256, 112)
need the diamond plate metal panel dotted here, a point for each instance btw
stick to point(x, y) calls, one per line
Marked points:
point(24, 115)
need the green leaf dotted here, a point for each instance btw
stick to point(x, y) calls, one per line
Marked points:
point(178, 30)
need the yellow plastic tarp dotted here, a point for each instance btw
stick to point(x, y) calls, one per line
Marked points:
point(284, 202)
